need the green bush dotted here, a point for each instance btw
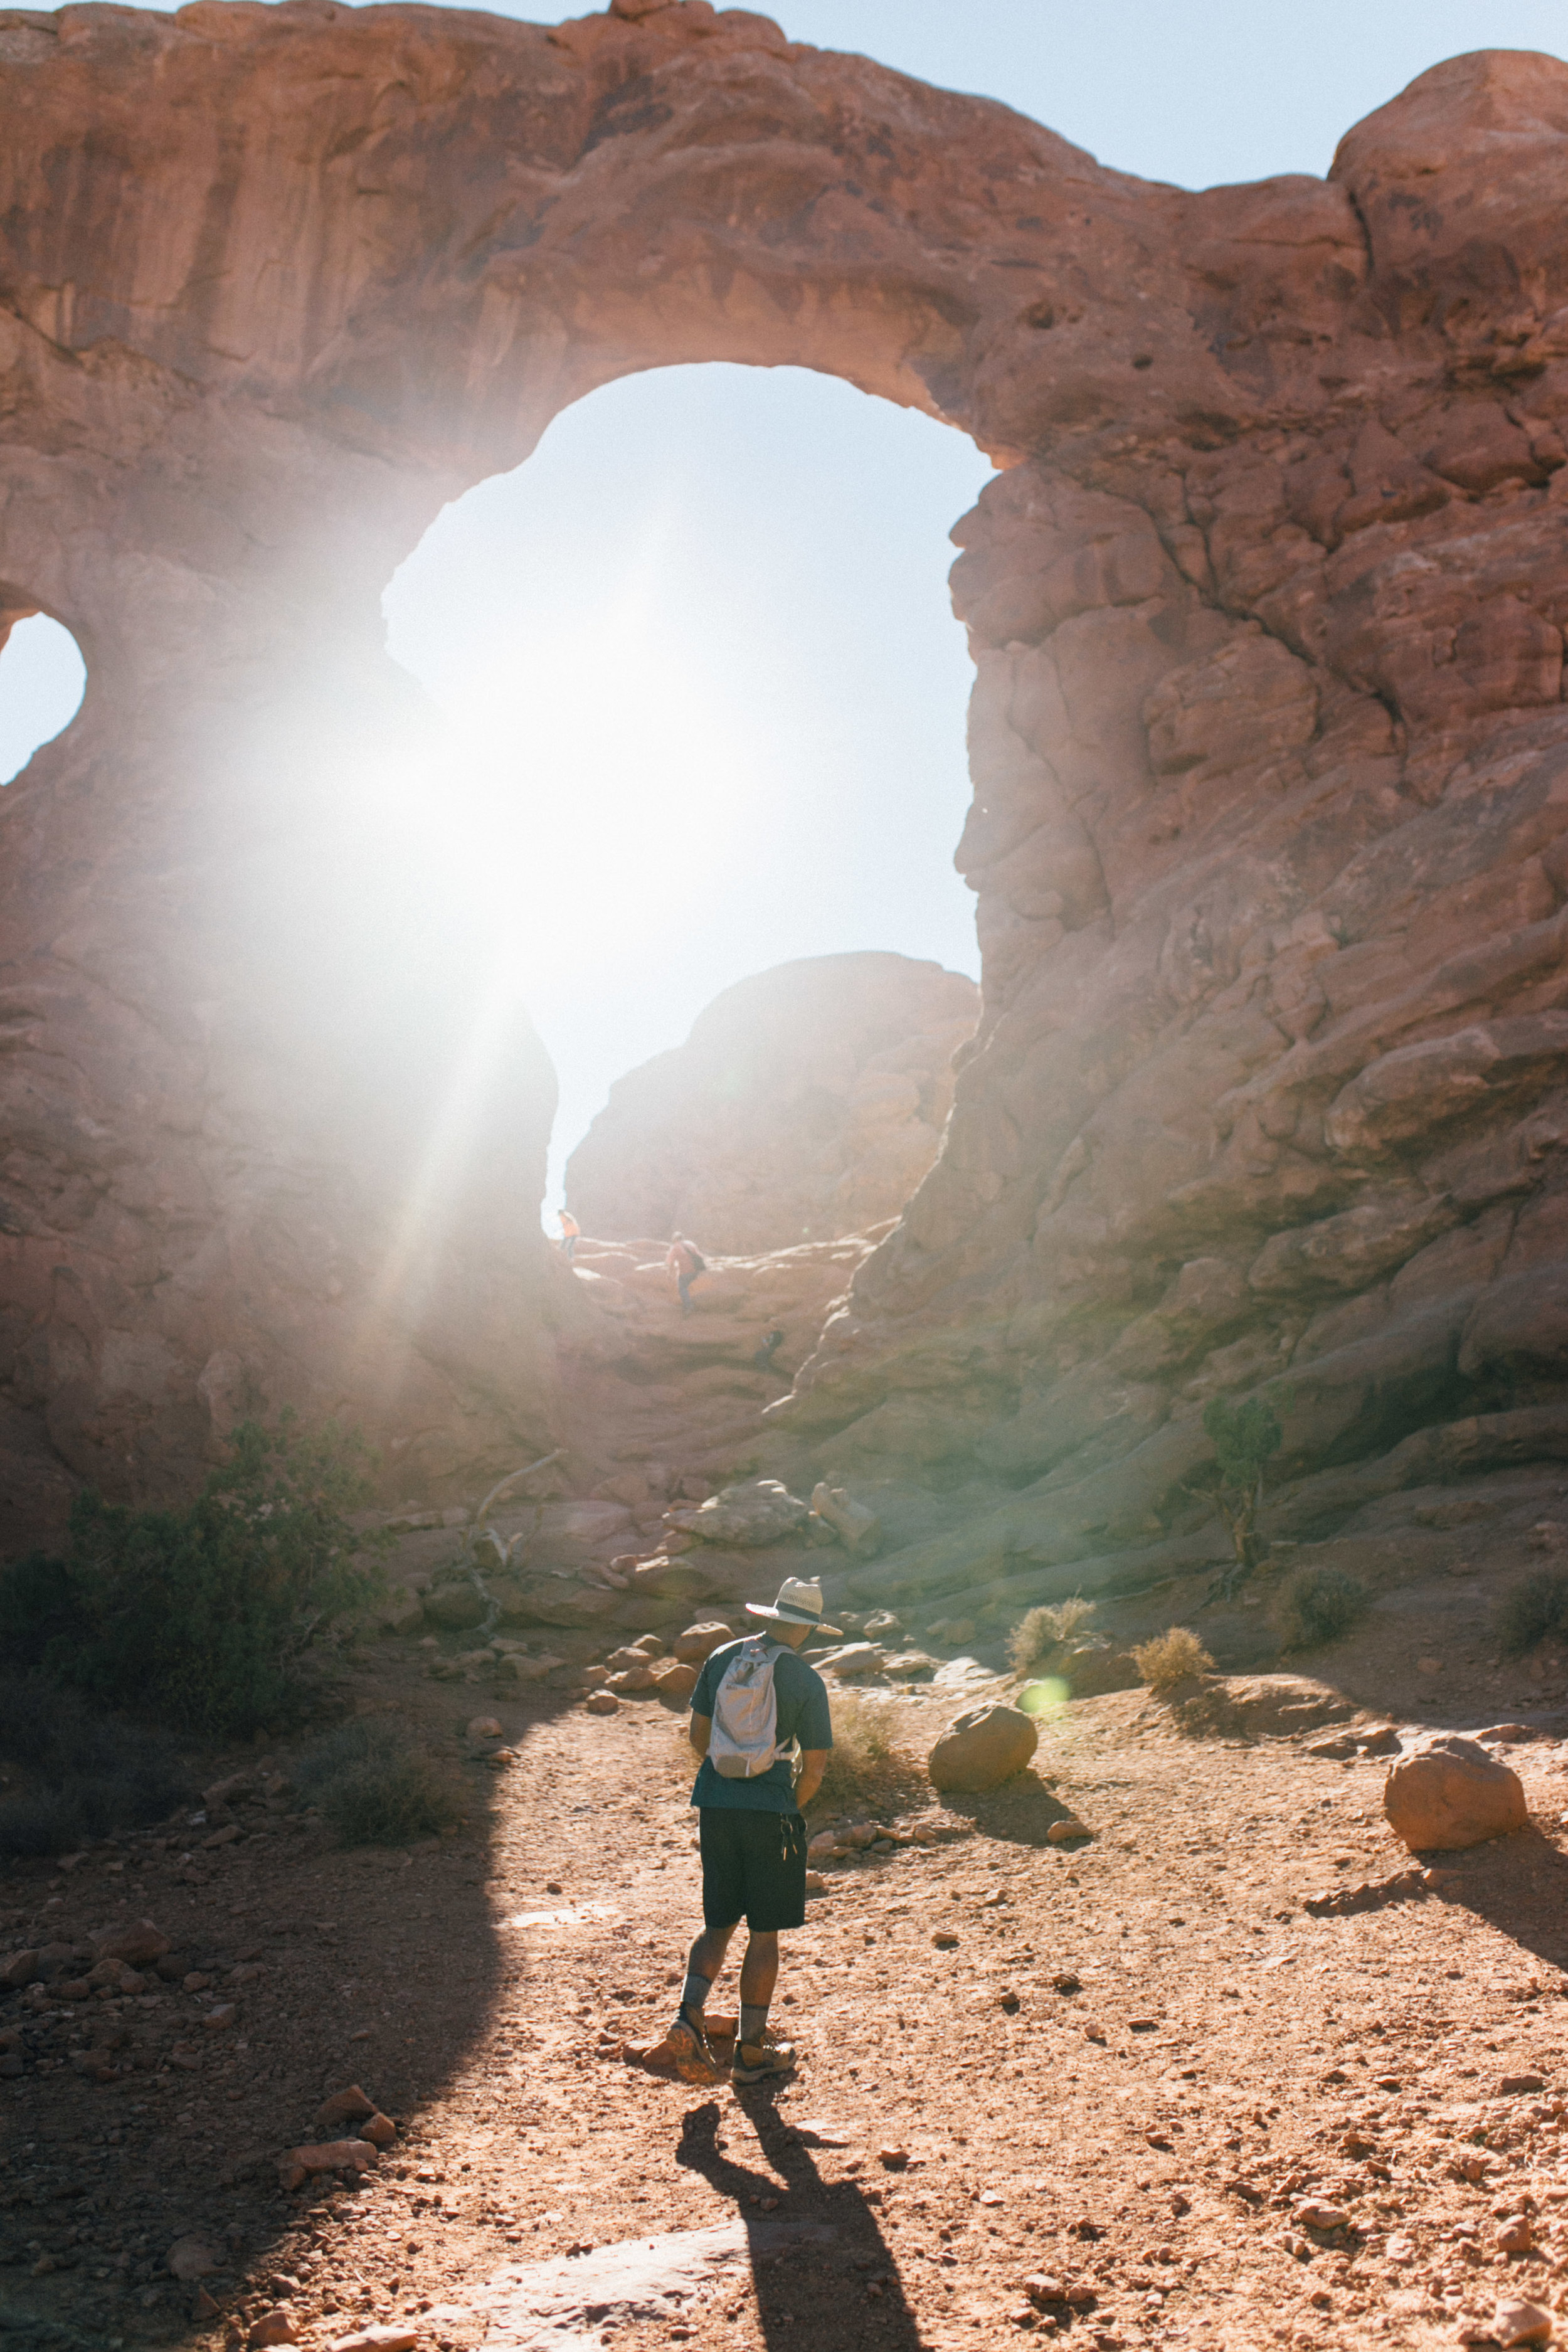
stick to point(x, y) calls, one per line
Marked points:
point(96, 1775)
point(1536, 1605)
point(376, 1785)
point(1321, 1603)
point(1039, 1631)
point(201, 1617)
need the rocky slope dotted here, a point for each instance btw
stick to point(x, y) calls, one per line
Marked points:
point(807, 1103)
point(1268, 744)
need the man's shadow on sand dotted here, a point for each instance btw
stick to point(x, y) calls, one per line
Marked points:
point(821, 2268)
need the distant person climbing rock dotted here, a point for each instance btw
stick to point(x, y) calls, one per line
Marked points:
point(760, 1723)
point(571, 1234)
point(763, 1358)
point(686, 1262)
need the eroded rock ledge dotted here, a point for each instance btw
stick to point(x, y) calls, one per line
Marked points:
point(1269, 744)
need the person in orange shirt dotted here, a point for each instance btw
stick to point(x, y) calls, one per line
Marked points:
point(569, 1232)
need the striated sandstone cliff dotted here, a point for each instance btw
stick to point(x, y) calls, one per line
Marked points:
point(1270, 750)
point(806, 1103)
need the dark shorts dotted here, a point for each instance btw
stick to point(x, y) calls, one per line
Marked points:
point(753, 1868)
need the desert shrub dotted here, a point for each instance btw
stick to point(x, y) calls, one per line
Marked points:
point(865, 1771)
point(40, 1822)
point(94, 1775)
point(1536, 1605)
point(202, 1616)
point(1320, 1604)
point(376, 1785)
point(1038, 1632)
point(1171, 1657)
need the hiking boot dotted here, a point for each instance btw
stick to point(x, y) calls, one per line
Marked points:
point(763, 2064)
point(688, 2045)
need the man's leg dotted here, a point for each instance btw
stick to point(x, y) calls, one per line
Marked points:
point(759, 1975)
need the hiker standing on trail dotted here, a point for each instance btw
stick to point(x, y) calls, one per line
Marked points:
point(571, 1232)
point(686, 1262)
point(759, 1721)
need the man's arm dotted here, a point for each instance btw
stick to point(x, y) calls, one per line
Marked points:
point(812, 1763)
point(701, 1733)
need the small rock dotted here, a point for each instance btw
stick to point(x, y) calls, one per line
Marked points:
point(1382, 1740)
point(629, 1680)
point(195, 1982)
point(815, 1883)
point(983, 1748)
point(698, 1644)
point(822, 1846)
point(1066, 1832)
point(944, 1939)
point(330, 2155)
point(674, 1681)
point(272, 2328)
point(1516, 2235)
point(1448, 1792)
point(1316, 2213)
point(601, 1701)
point(893, 2159)
point(398, 2337)
point(192, 2258)
point(855, 1660)
point(1520, 2323)
point(1065, 1982)
point(379, 2130)
point(137, 1944)
point(346, 2106)
point(19, 1969)
point(1512, 2085)
point(228, 1836)
point(484, 1726)
point(217, 2020)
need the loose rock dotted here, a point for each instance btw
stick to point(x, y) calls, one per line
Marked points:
point(1448, 1792)
point(983, 1748)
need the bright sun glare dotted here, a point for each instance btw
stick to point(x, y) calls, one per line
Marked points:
point(706, 698)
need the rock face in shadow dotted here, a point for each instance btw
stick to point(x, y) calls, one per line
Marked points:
point(1270, 751)
point(806, 1104)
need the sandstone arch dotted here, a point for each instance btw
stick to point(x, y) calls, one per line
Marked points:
point(1268, 738)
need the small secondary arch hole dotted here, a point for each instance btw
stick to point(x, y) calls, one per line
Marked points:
point(42, 680)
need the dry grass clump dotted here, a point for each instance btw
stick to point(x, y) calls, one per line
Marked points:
point(377, 1786)
point(1041, 1630)
point(1171, 1657)
point(1321, 1603)
point(1536, 1605)
point(865, 1771)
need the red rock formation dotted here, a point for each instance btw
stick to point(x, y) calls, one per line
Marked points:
point(806, 1103)
point(1268, 738)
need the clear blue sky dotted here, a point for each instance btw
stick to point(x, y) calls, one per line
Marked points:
point(702, 642)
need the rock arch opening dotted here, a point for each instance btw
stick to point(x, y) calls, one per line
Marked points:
point(699, 650)
point(43, 679)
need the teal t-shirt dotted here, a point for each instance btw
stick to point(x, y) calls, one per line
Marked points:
point(801, 1697)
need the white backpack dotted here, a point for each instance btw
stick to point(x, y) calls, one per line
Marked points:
point(745, 1739)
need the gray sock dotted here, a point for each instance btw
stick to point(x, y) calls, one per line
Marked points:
point(694, 1996)
point(753, 2024)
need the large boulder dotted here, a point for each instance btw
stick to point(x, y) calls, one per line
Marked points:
point(1449, 1792)
point(808, 1102)
point(980, 1748)
point(758, 1511)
